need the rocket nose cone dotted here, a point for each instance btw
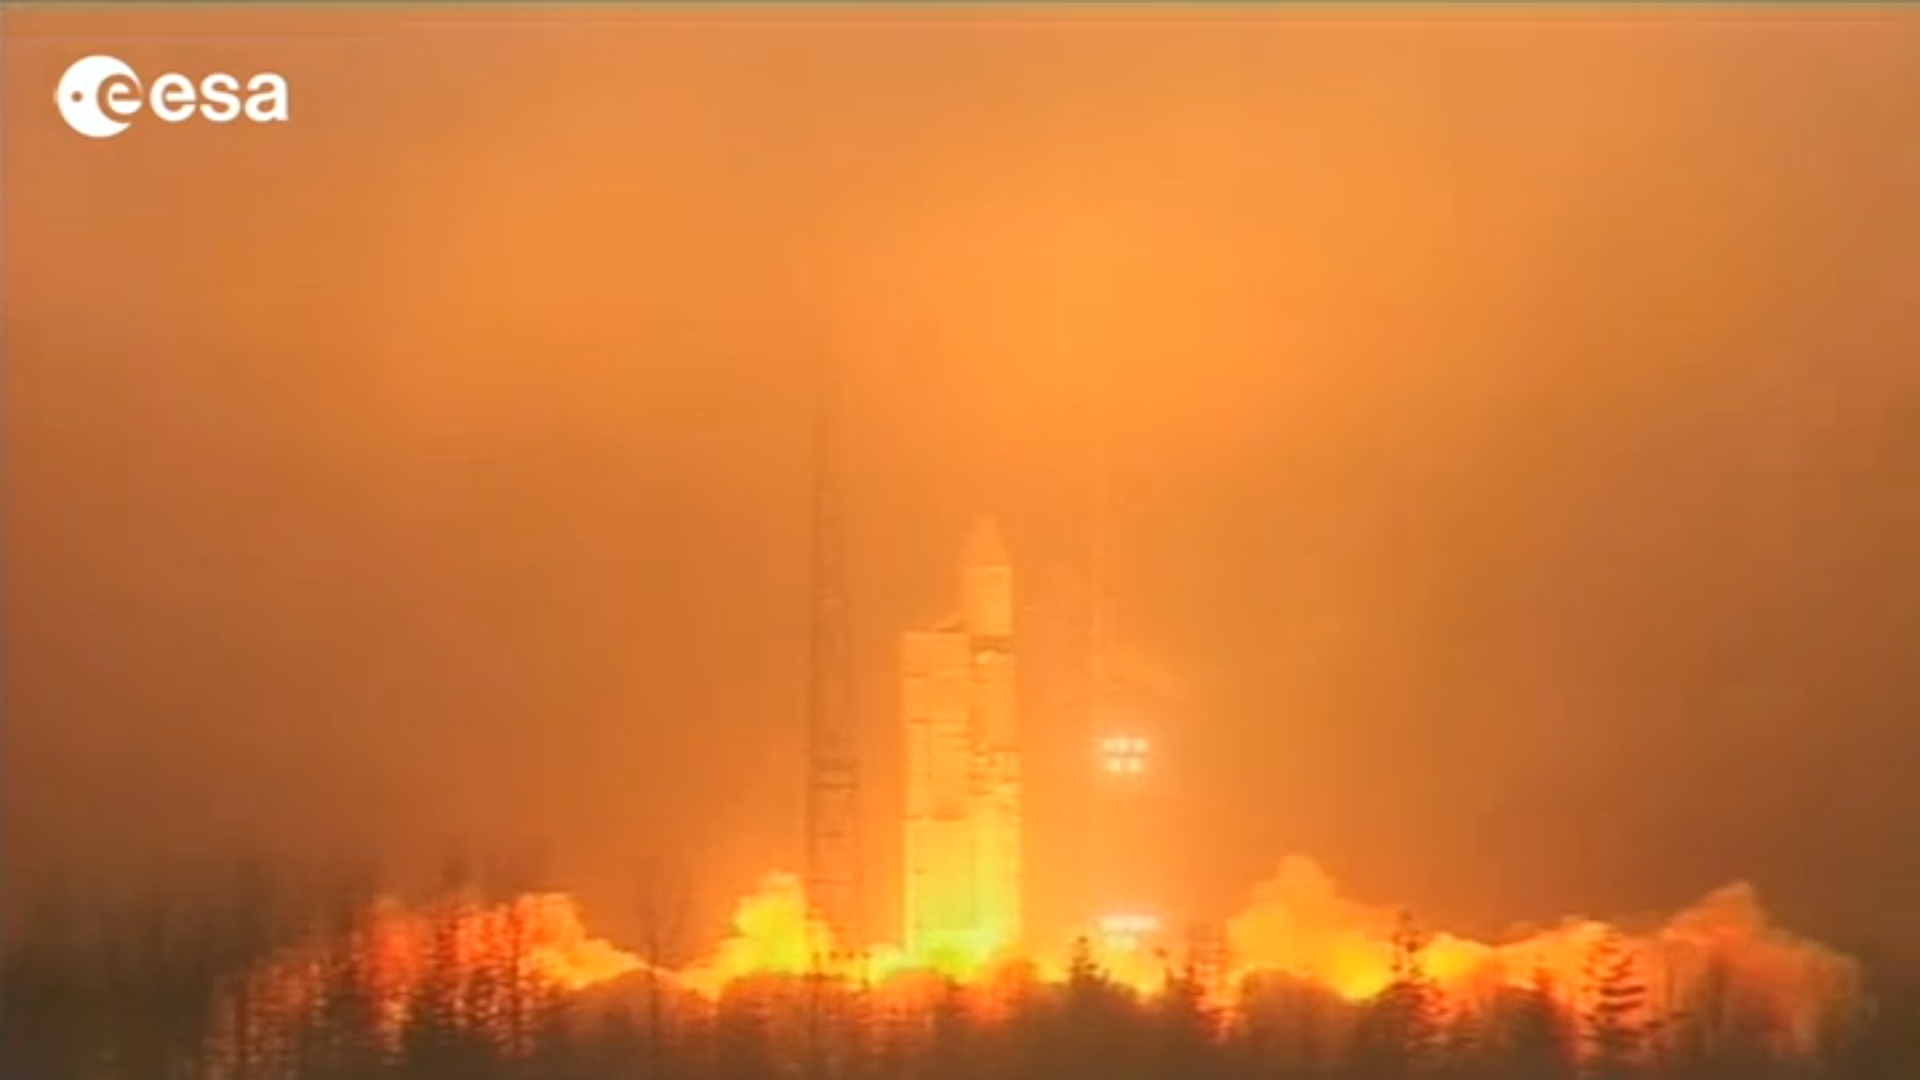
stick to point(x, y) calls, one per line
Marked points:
point(983, 545)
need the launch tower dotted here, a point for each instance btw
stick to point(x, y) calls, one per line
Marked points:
point(1120, 864)
point(833, 766)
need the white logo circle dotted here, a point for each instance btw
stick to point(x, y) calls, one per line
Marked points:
point(80, 96)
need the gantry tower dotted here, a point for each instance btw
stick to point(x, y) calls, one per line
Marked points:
point(1121, 751)
point(833, 762)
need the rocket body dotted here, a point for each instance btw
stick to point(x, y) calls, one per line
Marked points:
point(963, 815)
point(939, 840)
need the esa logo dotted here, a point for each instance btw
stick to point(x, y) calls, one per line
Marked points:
point(100, 95)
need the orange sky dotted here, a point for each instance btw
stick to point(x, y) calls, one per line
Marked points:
point(1514, 420)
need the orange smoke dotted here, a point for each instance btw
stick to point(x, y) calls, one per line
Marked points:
point(490, 967)
point(773, 934)
point(1296, 925)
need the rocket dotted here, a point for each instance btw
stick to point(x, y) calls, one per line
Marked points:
point(987, 584)
point(963, 817)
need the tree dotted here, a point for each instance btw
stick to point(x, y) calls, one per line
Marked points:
point(1101, 1019)
point(663, 918)
point(951, 1040)
point(352, 1022)
point(1615, 1020)
point(1465, 1045)
point(1532, 1032)
point(744, 1044)
point(345, 1040)
point(1188, 1026)
point(52, 1020)
point(1400, 1032)
point(1084, 974)
point(442, 1038)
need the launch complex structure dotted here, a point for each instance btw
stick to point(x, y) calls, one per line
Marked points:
point(964, 828)
point(964, 878)
point(962, 901)
point(834, 859)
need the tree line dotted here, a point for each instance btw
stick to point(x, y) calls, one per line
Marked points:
point(171, 988)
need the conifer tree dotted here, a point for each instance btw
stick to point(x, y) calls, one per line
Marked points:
point(1465, 1044)
point(951, 1036)
point(1187, 1026)
point(1535, 1036)
point(1615, 1019)
point(1400, 1032)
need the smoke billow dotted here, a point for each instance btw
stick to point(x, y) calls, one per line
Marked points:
point(1722, 954)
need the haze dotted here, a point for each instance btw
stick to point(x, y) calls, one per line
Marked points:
point(1515, 423)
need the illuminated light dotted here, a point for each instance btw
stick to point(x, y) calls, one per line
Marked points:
point(1123, 755)
point(1126, 931)
point(1129, 924)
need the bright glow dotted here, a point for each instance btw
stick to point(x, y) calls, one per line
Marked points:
point(1126, 931)
point(1123, 755)
point(1129, 924)
point(1296, 923)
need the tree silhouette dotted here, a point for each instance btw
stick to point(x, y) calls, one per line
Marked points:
point(1401, 1031)
point(1187, 1026)
point(131, 991)
point(1102, 1024)
point(1532, 1032)
point(1465, 1043)
point(663, 919)
point(345, 1040)
point(1615, 1020)
point(951, 1038)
